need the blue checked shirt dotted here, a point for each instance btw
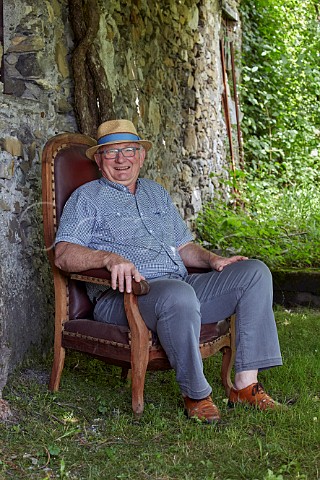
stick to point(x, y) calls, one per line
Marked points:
point(145, 228)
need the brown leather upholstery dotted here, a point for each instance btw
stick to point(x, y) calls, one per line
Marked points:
point(79, 303)
point(65, 167)
point(80, 170)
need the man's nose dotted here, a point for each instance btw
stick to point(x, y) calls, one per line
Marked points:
point(120, 157)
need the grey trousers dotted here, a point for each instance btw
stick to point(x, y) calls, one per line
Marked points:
point(175, 309)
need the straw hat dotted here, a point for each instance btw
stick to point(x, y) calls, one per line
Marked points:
point(117, 131)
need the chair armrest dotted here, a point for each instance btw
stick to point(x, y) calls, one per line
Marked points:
point(101, 276)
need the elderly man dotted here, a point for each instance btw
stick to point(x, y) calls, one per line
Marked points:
point(130, 226)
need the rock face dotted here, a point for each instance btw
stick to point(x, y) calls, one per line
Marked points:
point(163, 69)
point(35, 103)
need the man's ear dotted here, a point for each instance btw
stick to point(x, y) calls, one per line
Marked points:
point(142, 156)
point(97, 159)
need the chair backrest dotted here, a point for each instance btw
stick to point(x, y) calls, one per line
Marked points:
point(71, 170)
point(64, 168)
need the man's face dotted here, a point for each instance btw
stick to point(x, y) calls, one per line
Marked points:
point(121, 163)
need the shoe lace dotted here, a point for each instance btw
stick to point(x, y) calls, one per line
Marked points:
point(258, 389)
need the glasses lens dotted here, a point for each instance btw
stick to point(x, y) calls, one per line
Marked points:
point(129, 151)
point(112, 153)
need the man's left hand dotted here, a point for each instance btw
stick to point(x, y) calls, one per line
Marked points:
point(218, 263)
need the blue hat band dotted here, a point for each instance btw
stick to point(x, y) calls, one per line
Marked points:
point(117, 137)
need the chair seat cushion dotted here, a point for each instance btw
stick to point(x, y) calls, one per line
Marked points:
point(212, 331)
point(102, 331)
point(120, 334)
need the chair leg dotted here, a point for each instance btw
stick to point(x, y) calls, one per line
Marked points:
point(137, 384)
point(226, 370)
point(125, 374)
point(57, 367)
point(228, 358)
point(139, 352)
point(60, 286)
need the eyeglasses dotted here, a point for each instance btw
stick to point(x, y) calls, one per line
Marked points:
point(113, 153)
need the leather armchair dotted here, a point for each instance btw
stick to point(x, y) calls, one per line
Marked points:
point(64, 168)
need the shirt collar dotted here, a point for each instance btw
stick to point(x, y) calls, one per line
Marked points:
point(117, 186)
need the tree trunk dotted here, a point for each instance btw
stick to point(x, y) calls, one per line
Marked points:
point(92, 96)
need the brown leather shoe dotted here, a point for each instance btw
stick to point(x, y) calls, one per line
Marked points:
point(203, 410)
point(254, 395)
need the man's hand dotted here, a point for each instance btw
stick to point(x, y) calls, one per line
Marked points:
point(193, 255)
point(76, 258)
point(218, 263)
point(122, 272)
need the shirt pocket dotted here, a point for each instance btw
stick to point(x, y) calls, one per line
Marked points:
point(160, 225)
point(120, 227)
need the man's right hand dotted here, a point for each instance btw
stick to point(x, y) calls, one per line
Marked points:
point(122, 272)
point(71, 257)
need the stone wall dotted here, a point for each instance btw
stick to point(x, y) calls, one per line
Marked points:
point(163, 69)
point(34, 105)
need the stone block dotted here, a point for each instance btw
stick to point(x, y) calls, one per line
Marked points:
point(61, 59)
point(24, 44)
point(28, 66)
point(6, 166)
point(190, 139)
point(14, 86)
point(13, 146)
point(32, 91)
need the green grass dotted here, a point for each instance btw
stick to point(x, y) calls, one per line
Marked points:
point(86, 430)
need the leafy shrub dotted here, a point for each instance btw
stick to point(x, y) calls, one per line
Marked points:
point(280, 228)
point(280, 90)
point(275, 215)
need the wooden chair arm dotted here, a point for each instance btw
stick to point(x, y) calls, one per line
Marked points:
point(101, 276)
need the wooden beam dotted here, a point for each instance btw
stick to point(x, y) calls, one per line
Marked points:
point(226, 104)
point(1, 43)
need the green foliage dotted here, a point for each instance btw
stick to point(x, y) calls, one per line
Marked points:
point(279, 227)
point(275, 214)
point(280, 90)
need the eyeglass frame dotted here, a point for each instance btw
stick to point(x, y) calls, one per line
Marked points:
point(118, 151)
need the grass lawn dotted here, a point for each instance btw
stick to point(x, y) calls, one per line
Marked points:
point(86, 431)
